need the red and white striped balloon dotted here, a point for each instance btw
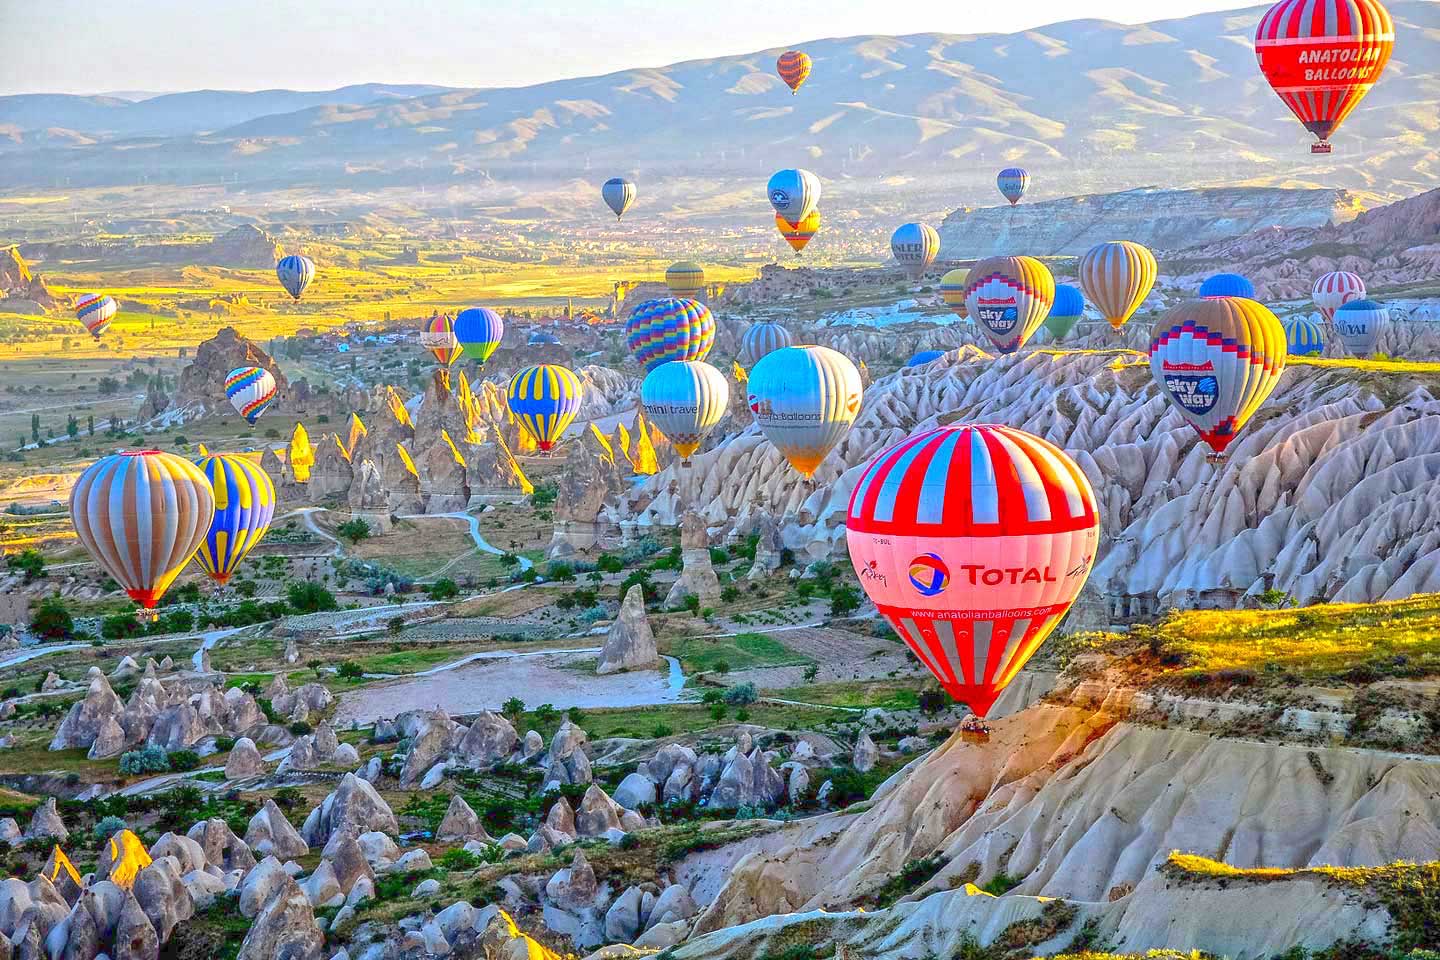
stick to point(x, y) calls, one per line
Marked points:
point(1335, 289)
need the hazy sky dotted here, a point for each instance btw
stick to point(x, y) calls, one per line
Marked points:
point(88, 46)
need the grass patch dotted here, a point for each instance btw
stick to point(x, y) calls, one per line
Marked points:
point(740, 652)
point(693, 717)
point(863, 694)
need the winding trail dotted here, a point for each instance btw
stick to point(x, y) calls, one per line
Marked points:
point(307, 515)
point(483, 545)
point(36, 652)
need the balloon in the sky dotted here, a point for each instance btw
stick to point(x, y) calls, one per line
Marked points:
point(805, 399)
point(685, 279)
point(1012, 182)
point(295, 273)
point(438, 336)
point(618, 194)
point(798, 234)
point(142, 516)
point(244, 507)
point(685, 399)
point(1358, 324)
point(479, 331)
point(761, 339)
point(250, 391)
point(544, 399)
point(1117, 276)
point(671, 328)
point(1066, 311)
point(1303, 337)
point(1335, 289)
point(96, 310)
point(973, 541)
point(952, 290)
point(1323, 58)
point(1216, 359)
point(924, 357)
point(914, 246)
point(1227, 285)
point(1008, 297)
point(794, 194)
point(793, 67)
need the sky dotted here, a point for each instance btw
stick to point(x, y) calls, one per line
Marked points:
point(84, 46)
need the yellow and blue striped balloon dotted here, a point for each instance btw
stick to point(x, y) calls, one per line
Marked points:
point(295, 273)
point(671, 328)
point(1303, 337)
point(545, 399)
point(244, 507)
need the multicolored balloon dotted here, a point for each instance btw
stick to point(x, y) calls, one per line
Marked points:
point(1066, 311)
point(618, 193)
point(1216, 359)
point(1117, 276)
point(1335, 289)
point(1303, 337)
point(1358, 324)
point(1012, 182)
point(142, 516)
point(794, 193)
point(1227, 285)
point(915, 246)
point(295, 273)
point(96, 310)
point(804, 400)
point(798, 234)
point(658, 331)
point(1009, 298)
point(685, 279)
point(793, 67)
point(973, 541)
point(1322, 59)
point(250, 391)
point(685, 399)
point(545, 399)
point(479, 331)
point(244, 506)
point(438, 336)
point(762, 339)
point(924, 357)
point(952, 290)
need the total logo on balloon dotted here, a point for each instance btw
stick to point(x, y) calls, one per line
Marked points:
point(929, 575)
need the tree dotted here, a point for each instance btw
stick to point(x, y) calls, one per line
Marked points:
point(310, 597)
point(108, 385)
point(28, 562)
point(350, 670)
point(354, 530)
point(72, 427)
point(513, 709)
point(741, 694)
point(52, 619)
point(444, 589)
point(395, 626)
point(843, 601)
point(90, 424)
point(35, 427)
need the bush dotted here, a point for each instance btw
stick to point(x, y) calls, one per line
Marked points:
point(145, 760)
point(184, 760)
point(729, 593)
point(609, 563)
point(844, 601)
point(299, 728)
point(354, 530)
point(719, 556)
point(458, 858)
point(52, 619)
point(560, 571)
point(107, 826)
point(444, 589)
point(310, 597)
point(544, 495)
point(122, 626)
point(350, 670)
point(27, 562)
point(741, 694)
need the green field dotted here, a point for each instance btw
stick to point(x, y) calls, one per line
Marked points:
point(740, 652)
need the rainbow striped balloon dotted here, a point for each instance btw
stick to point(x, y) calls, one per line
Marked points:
point(672, 328)
point(244, 507)
point(761, 339)
point(250, 391)
point(438, 336)
point(295, 273)
point(545, 399)
point(96, 310)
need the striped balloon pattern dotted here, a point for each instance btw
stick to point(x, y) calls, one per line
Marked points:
point(250, 391)
point(618, 193)
point(798, 234)
point(658, 331)
point(96, 310)
point(793, 66)
point(1066, 311)
point(545, 399)
point(1227, 285)
point(1323, 58)
point(244, 506)
point(685, 279)
point(1358, 324)
point(1009, 297)
point(295, 273)
point(973, 541)
point(915, 246)
point(1116, 276)
point(1303, 337)
point(924, 357)
point(794, 193)
point(685, 399)
point(804, 400)
point(438, 336)
point(1012, 182)
point(952, 290)
point(479, 331)
point(142, 516)
point(1335, 289)
point(762, 339)
point(1216, 360)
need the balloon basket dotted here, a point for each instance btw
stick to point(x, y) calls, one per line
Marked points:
point(975, 736)
point(1215, 458)
point(1321, 147)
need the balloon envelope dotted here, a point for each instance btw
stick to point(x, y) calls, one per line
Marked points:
point(793, 66)
point(96, 310)
point(915, 246)
point(618, 193)
point(244, 506)
point(924, 357)
point(1066, 311)
point(1012, 182)
point(1227, 285)
point(1303, 337)
point(1335, 289)
point(794, 193)
point(658, 331)
point(798, 234)
point(479, 331)
point(685, 279)
point(1008, 297)
point(762, 339)
point(438, 336)
point(295, 273)
point(973, 541)
point(544, 399)
point(250, 391)
point(685, 399)
point(1117, 276)
point(804, 400)
point(1358, 324)
point(952, 290)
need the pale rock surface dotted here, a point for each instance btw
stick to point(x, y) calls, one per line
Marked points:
point(697, 575)
point(270, 834)
point(629, 643)
point(354, 805)
point(244, 761)
point(284, 929)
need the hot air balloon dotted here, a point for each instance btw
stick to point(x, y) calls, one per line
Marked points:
point(914, 246)
point(1303, 337)
point(1117, 276)
point(805, 399)
point(924, 357)
point(1227, 285)
point(250, 391)
point(1012, 182)
point(544, 399)
point(685, 399)
point(479, 331)
point(798, 234)
point(794, 194)
point(295, 273)
point(973, 541)
point(618, 194)
point(1358, 324)
point(142, 516)
point(793, 67)
point(761, 339)
point(658, 331)
point(244, 507)
point(1216, 360)
point(1066, 311)
point(96, 310)
point(1323, 59)
point(1009, 297)
point(1335, 289)
point(685, 279)
point(952, 290)
point(438, 336)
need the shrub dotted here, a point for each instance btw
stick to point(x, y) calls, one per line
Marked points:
point(354, 530)
point(729, 593)
point(145, 760)
point(458, 858)
point(609, 563)
point(844, 601)
point(719, 556)
point(741, 694)
point(52, 619)
point(661, 731)
point(350, 670)
point(309, 597)
point(444, 589)
point(121, 626)
point(30, 563)
point(106, 826)
point(544, 495)
point(299, 728)
point(184, 760)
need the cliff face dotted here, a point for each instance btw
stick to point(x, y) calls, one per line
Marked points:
point(201, 389)
point(17, 282)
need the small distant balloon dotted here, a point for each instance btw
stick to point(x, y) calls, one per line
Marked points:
point(1012, 182)
point(761, 340)
point(685, 279)
point(793, 66)
point(1359, 324)
point(1303, 337)
point(250, 391)
point(1066, 311)
point(915, 246)
point(618, 193)
point(952, 290)
point(295, 273)
point(794, 194)
point(96, 310)
point(1228, 285)
point(438, 336)
point(479, 331)
point(924, 357)
point(1335, 289)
